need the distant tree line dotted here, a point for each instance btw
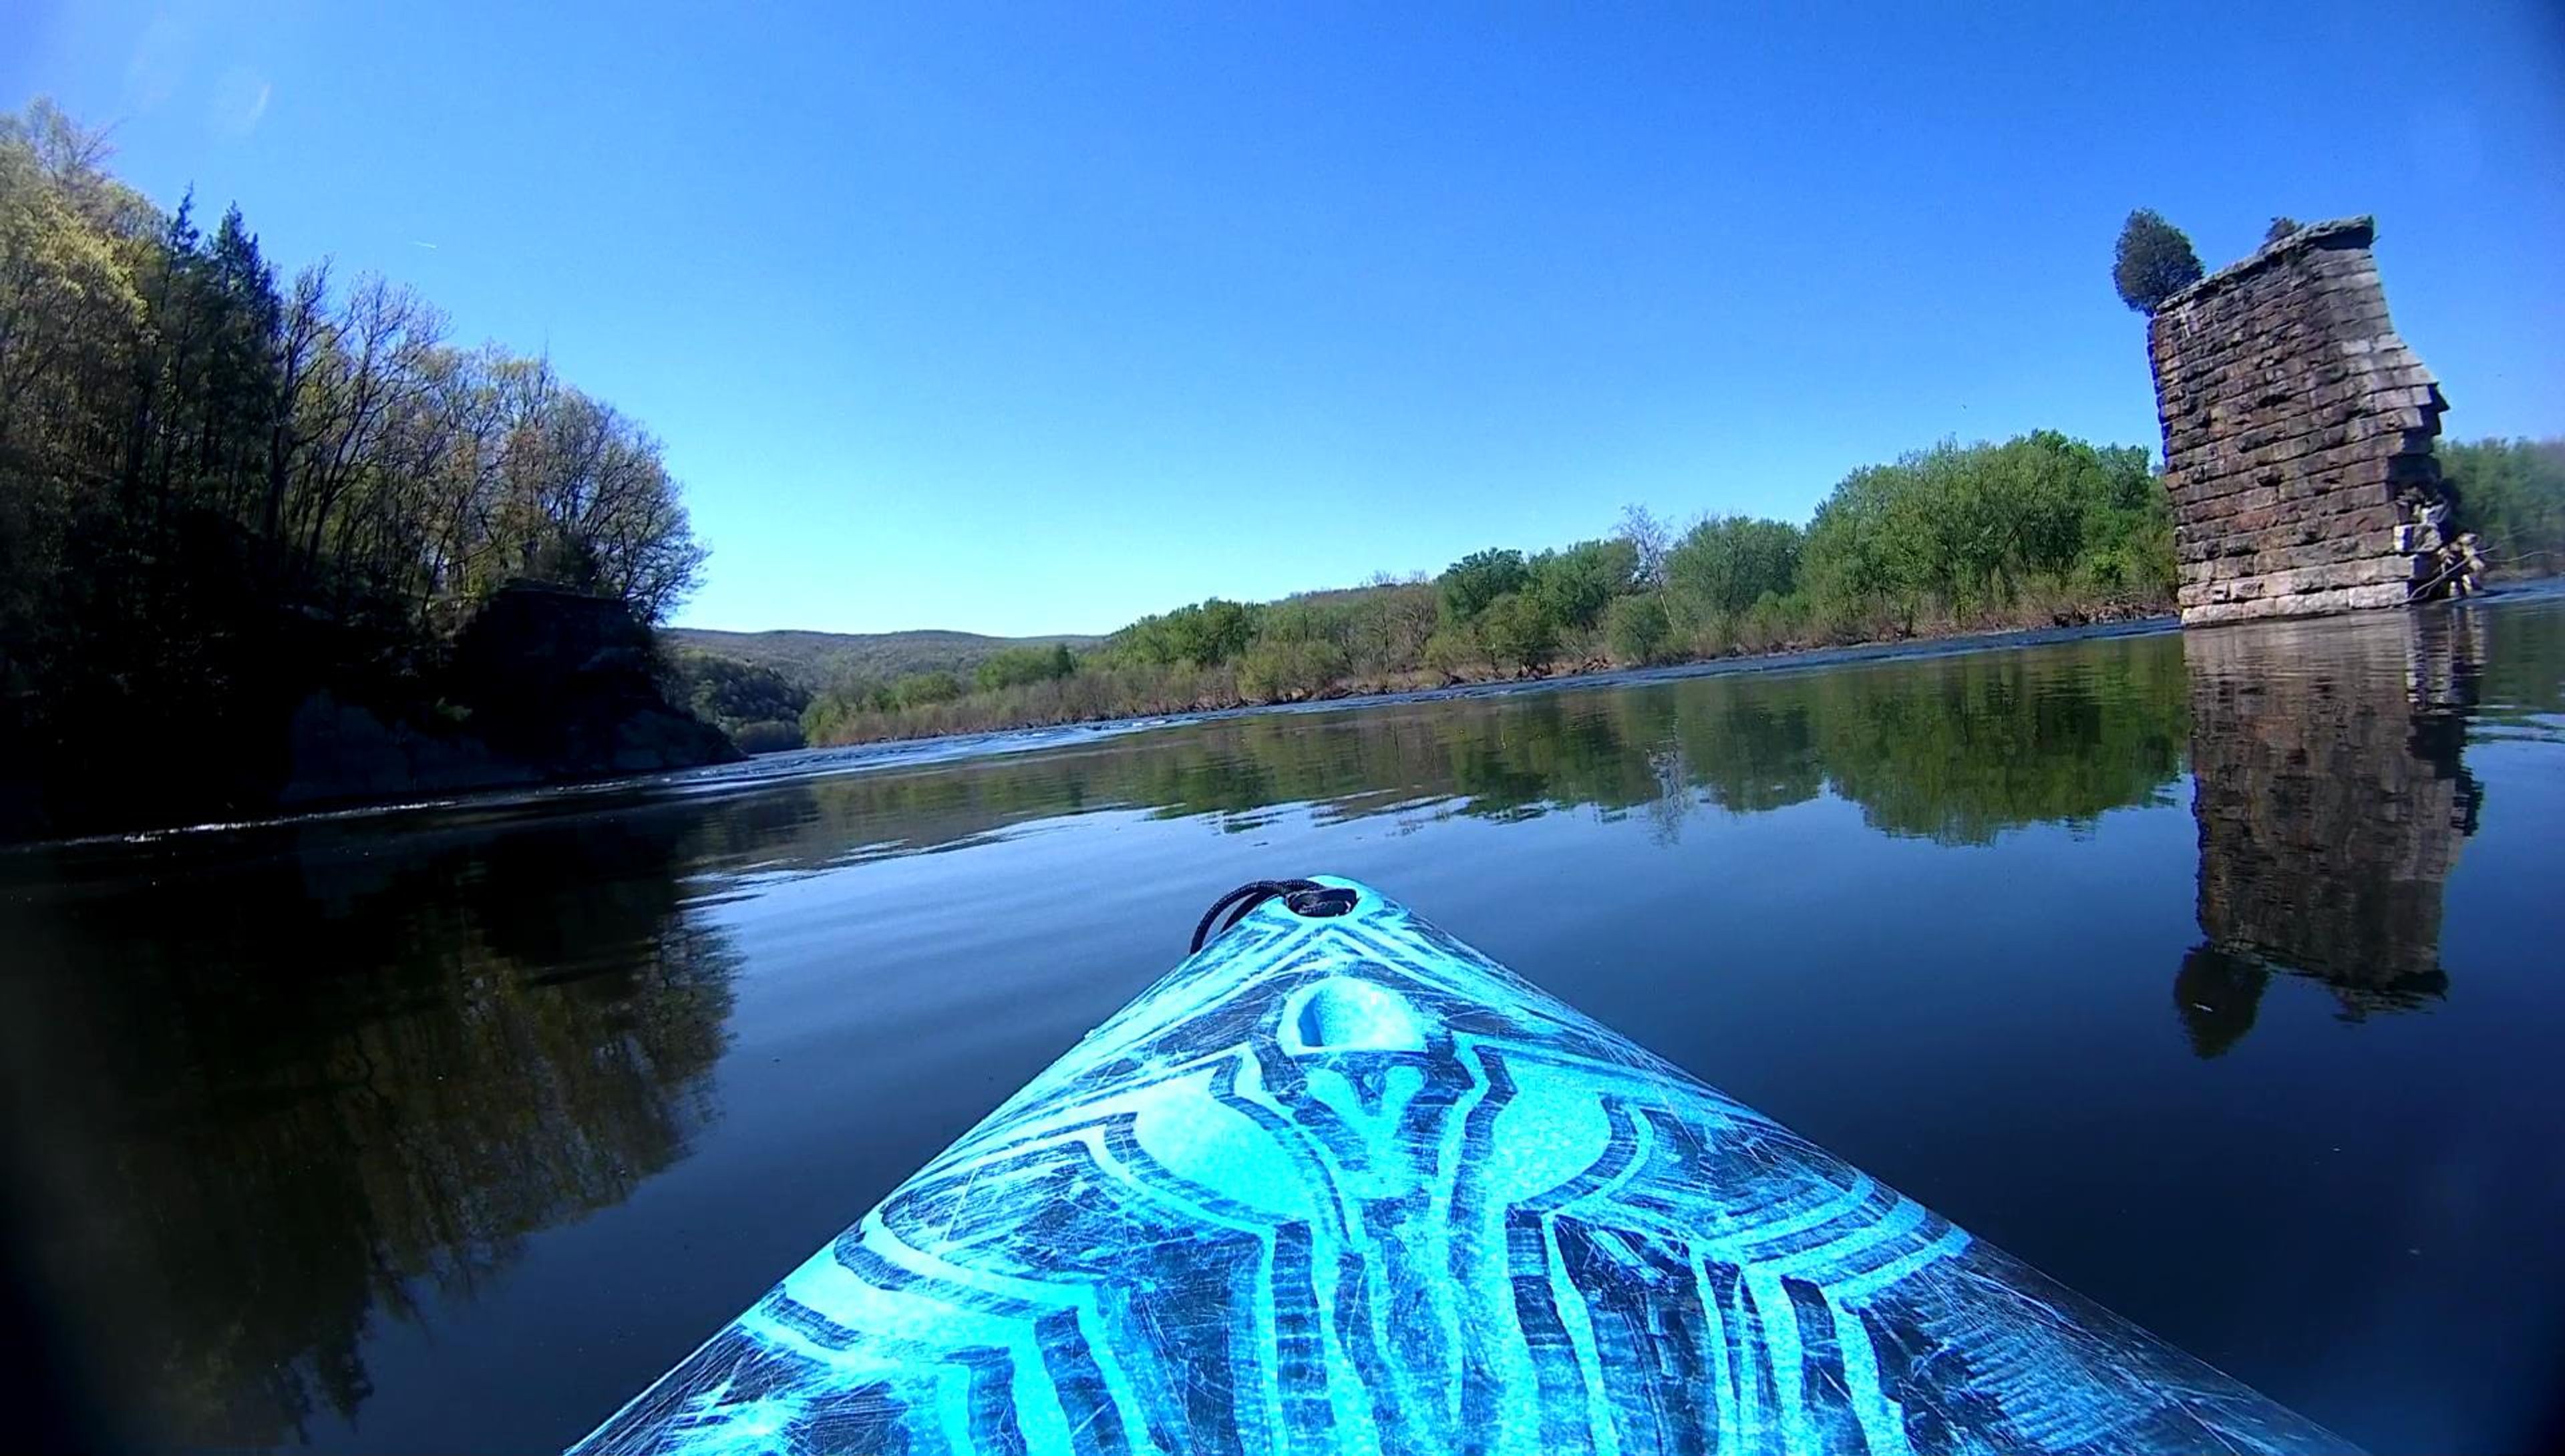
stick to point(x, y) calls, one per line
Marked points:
point(2035, 530)
point(2511, 493)
point(220, 489)
point(2038, 530)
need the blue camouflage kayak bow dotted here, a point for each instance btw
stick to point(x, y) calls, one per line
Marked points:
point(1339, 1183)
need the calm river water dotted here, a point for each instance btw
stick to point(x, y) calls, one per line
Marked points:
point(2223, 977)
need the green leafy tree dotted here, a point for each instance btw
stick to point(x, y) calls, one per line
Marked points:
point(1387, 626)
point(2280, 228)
point(2154, 261)
point(1458, 647)
point(1468, 585)
point(1146, 642)
point(1299, 650)
point(733, 693)
point(1015, 666)
point(1202, 635)
point(1215, 632)
point(774, 735)
point(923, 689)
point(1969, 524)
point(1729, 563)
point(1517, 633)
point(2511, 493)
point(1638, 631)
point(1574, 587)
point(1281, 667)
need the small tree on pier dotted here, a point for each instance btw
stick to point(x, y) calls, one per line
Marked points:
point(2154, 261)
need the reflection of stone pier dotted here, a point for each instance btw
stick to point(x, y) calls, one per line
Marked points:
point(2331, 801)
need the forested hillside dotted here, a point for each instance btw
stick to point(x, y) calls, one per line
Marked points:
point(225, 489)
point(815, 658)
point(759, 685)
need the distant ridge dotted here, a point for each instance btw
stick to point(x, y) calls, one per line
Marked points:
point(814, 658)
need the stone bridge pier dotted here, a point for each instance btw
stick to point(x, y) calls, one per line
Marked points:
point(2297, 430)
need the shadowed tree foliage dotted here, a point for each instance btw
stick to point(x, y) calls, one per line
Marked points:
point(2154, 261)
point(2280, 228)
point(759, 706)
point(221, 491)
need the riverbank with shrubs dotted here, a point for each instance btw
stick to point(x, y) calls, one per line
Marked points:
point(2037, 531)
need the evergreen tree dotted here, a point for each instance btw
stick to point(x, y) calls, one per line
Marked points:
point(2154, 261)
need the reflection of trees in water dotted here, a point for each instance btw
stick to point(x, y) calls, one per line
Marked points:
point(2331, 801)
point(275, 1102)
point(2524, 687)
point(1957, 749)
point(1982, 743)
point(301, 1078)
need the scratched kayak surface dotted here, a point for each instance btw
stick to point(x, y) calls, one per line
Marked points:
point(1342, 1184)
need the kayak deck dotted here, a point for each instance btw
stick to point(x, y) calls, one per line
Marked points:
point(1343, 1184)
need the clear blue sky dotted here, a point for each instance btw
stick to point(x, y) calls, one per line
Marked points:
point(1036, 319)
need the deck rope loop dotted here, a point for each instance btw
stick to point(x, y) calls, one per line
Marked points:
point(1299, 896)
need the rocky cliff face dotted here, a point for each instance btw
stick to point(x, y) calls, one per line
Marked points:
point(545, 686)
